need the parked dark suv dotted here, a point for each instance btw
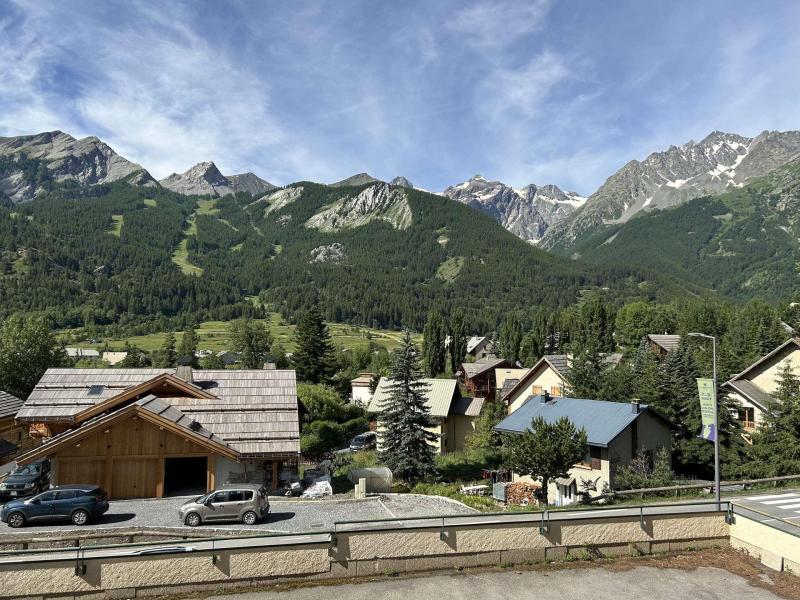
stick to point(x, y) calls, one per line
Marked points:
point(26, 480)
point(364, 441)
point(77, 503)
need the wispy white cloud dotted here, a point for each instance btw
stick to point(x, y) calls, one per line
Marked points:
point(495, 23)
point(521, 91)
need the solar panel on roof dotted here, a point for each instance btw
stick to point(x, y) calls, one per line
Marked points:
point(96, 390)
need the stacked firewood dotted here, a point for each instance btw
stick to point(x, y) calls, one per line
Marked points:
point(521, 493)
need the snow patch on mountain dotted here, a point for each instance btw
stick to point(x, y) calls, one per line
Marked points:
point(526, 212)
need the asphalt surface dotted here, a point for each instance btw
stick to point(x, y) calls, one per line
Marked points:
point(595, 583)
point(286, 516)
point(779, 509)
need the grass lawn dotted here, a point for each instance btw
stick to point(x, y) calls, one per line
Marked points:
point(181, 258)
point(450, 268)
point(116, 226)
point(150, 203)
point(214, 335)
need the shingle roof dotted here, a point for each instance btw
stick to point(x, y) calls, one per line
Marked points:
point(476, 341)
point(255, 411)
point(166, 410)
point(440, 395)
point(481, 366)
point(667, 342)
point(508, 385)
point(560, 362)
point(160, 407)
point(750, 390)
point(603, 421)
point(468, 407)
point(9, 405)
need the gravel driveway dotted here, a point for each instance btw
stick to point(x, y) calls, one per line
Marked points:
point(285, 516)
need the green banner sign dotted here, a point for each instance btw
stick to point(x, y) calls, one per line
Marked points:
point(708, 404)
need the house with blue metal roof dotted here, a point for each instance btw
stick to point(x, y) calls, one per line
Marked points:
point(615, 432)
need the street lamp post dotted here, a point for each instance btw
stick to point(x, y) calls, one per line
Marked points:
point(716, 411)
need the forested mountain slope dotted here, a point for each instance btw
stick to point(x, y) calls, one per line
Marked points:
point(117, 253)
point(743, 243)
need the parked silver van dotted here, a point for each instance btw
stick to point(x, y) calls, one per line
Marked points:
point(245, 502)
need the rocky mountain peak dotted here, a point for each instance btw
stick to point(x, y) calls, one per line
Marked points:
point(203, 179)
point(401, 181)
point(664, 179)
point(88, 161)
point(526, 212)
point(357, 179)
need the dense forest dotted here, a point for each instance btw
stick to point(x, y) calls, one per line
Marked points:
point(741, 244)
point(148, 258)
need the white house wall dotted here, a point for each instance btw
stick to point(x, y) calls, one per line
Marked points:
point(768, 376)
point(547, 380)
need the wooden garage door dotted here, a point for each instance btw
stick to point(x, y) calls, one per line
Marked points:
point(80, 471)
point(134, 478)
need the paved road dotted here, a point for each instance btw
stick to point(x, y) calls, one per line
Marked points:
point(286, 516)
point(777, 509)
point(595, 583)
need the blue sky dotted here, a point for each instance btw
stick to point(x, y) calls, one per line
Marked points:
point(526, 92)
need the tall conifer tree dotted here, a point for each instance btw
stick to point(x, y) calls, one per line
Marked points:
point(406, 439)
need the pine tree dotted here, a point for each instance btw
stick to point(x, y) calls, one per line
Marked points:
point(406, 439)
point(511, 338)
point(776, 445)
point(458, 339)
point(586, 373)
point(434, 353)
point(187, 349)
point(314, 358)
point(679, 402)
point(167, 356)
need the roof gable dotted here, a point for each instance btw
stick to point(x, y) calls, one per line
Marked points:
point(559, 363)
point(9, 405)
point(666, 342)
point(473, 369)
point(254, 411)
point(150, 408)
point(775, 356)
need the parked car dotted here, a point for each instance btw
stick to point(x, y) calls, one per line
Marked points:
point(77, 503)
point(243, 502)
point(26, 480)
point(364, 441)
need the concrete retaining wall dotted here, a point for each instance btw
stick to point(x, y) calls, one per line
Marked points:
point(361, 553)
point(776, 549)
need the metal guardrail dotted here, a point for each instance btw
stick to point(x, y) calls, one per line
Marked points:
point(698, 486)
point(537, 520)
point(792, 529)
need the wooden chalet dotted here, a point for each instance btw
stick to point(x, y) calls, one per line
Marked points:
point(480, 378)
point(159, 432)
point(13, 436)
point(661, 345)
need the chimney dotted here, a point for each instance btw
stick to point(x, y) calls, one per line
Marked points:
point(636, 406)
point(546, 397)
point(184, 372)
point(270, 366)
